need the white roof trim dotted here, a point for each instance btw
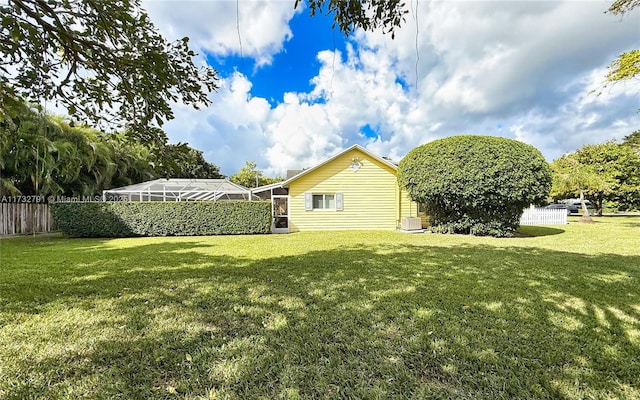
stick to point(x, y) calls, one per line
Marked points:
point(267, 187)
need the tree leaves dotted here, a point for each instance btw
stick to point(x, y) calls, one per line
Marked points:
point(475, 184)
point(365, 14)
point(249, 176)
point(619, 7)
point(102, 59)
point(625, 67)
point(47, 156)
point(181, 161)
point(602, 172)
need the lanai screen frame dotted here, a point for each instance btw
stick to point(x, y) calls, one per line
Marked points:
point(179, 189)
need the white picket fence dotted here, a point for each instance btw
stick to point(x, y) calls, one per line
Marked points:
point(544, 216)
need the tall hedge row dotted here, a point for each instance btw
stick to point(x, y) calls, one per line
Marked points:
point(126, 219)
point(476, 185)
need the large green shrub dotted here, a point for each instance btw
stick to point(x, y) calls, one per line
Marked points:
point(124, 219)
point(475, 184)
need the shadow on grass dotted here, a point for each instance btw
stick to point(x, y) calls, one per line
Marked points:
point(359, 321)
point(537, 231)
point(628, 220)
point(631, 221)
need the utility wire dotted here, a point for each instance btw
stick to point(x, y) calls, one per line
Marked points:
point(238, 25)
point(333, 64)
point(415, 18)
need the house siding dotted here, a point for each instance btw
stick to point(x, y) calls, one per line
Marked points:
point(371, 196)
point(407, 208)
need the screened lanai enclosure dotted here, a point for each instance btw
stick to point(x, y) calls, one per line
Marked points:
point(180, 190)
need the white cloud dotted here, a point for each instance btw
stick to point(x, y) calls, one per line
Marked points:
point(525, 65)
point(301, 135)
point(230, 131)
point(253, 28)
point(522, 70)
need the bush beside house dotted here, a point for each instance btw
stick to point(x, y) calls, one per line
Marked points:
point(126, 219)
point(476, 185)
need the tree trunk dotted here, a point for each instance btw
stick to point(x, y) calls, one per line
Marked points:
point(586, 218)
point(599, 205)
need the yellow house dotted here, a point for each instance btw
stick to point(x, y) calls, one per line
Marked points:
point(354, 189)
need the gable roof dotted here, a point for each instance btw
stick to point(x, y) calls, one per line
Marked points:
point(304, 172)
point(327, 161)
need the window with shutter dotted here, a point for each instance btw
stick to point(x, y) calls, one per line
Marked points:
point(325, 201)
point(308, 205)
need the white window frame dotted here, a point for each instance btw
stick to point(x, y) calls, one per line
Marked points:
point(327, 198)
point(337, 201)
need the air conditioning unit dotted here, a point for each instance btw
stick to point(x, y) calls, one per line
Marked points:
point(410, 224)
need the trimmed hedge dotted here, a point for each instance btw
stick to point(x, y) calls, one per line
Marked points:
point(475, 185)
point(126, 219)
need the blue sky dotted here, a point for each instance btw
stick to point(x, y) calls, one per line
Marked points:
point(291, 69)
point(296, 92)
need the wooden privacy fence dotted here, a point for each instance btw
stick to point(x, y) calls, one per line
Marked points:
point(544, 216)
point(23, 218)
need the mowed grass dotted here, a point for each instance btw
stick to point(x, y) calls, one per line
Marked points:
point(554, 313)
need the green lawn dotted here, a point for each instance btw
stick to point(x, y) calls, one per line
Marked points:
point(554, 313)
